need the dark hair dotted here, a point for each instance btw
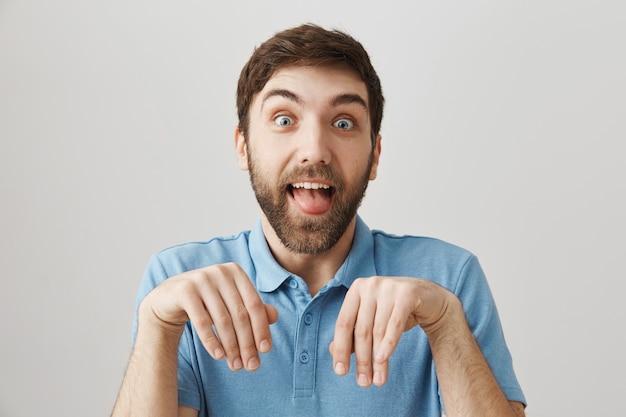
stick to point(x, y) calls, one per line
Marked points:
point(308, 45)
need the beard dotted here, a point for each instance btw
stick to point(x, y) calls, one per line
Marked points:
point(301, 234)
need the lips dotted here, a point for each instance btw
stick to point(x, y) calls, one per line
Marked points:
point(312, 197)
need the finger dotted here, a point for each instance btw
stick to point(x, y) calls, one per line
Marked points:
point(393, 332)
point(363, 341)
point(272, 313)
point(242, 345)
point(392, 327)
point(341, 346)
point(201, 321)
point(258, 318)
point(220, 312)
point(380, 361)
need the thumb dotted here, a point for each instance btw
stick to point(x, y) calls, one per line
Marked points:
point(272, 313)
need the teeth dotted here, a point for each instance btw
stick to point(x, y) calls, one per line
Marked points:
point(310, 185)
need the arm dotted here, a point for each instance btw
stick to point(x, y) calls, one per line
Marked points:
point(375, 313)
point(150, 386)
point(467, 384)
point(220, 296)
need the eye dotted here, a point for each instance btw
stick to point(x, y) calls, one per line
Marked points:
point(344, 124)
point(283, 121)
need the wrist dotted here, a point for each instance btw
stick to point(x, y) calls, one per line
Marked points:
point(451, 319)
point(150, 326)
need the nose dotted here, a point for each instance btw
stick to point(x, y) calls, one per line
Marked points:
point(313, 145)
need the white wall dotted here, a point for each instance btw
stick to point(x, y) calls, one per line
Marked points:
point(504, 133)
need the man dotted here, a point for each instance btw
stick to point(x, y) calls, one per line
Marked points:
point(325, 317)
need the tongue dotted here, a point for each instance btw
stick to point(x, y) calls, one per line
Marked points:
point(312, 201)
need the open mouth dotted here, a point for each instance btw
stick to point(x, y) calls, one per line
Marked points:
point(312, 197)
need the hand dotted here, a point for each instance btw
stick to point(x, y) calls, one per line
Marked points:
point(221, 296)
point(375, 313)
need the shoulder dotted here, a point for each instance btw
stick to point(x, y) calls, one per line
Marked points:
point(193, 255)
point(423, 257)
point(417, 245)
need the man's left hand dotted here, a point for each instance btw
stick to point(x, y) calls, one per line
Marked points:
point(375, 313)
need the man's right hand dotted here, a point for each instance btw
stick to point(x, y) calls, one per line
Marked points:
point(224, 308)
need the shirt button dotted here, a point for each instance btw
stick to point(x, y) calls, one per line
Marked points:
point(304, 357)
point(293, 283)
point(308, 319)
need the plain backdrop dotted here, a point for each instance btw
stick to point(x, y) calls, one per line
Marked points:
point(504, 133)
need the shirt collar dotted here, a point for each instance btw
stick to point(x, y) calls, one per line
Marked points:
point(269, 273)
point(358, 264)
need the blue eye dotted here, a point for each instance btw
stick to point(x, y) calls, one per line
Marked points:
point(344, 124)
point(283, 121)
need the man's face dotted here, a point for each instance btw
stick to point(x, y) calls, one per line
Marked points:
point(310, 154)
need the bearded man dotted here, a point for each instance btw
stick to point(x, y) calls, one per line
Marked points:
point(323, 316)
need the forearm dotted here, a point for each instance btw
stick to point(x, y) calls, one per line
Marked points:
point(150, 386)
point(467, 384)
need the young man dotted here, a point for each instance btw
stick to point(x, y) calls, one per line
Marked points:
point(325, 317)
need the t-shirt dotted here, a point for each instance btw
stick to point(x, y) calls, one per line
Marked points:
point(296, 377)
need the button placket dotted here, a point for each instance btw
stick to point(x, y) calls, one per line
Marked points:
point(306, 352)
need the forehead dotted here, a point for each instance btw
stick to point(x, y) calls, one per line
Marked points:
point(315, 83)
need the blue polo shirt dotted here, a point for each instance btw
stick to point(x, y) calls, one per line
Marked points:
point(296, 377)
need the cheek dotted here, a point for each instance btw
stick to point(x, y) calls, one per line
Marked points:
point(357, 164)
point(273, 161)
point(265, 167)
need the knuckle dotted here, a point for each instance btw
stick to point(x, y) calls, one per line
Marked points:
point(396, 323)
point(339, 352)
point(339, 349)
point(379, 332)
point(220, 270)
point(209, 339)
point(362, 363)
point(344, 324)
point(203, 324)
point(254, 303)
point(223, 320)
point(240, 314)
point(186, 288)
point(231, 348)
point(228, 268)
point(362, 332)
point(248, 349)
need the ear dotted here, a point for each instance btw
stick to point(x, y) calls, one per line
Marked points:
point(375, 158)
point(242, 149)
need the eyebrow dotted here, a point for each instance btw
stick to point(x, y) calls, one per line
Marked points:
point(280, 92)
point(349, 99)
point(334, 102)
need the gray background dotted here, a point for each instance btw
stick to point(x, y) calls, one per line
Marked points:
point(504, 133)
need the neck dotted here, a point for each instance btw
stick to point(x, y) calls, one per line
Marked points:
point(315, 270)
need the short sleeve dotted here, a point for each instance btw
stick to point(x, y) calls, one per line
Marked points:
point(189, 392)
point(482, 316)
point(189, 381)
point(153, 276)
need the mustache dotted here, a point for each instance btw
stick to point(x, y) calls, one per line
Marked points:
point(319, 172)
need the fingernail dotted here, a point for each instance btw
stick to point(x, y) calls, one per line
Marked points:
point(340, 368)
point(265, 346)
point(218, 353)
point(237, 364)
point(363, 381)
point(253, 364)
point(378, 378)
